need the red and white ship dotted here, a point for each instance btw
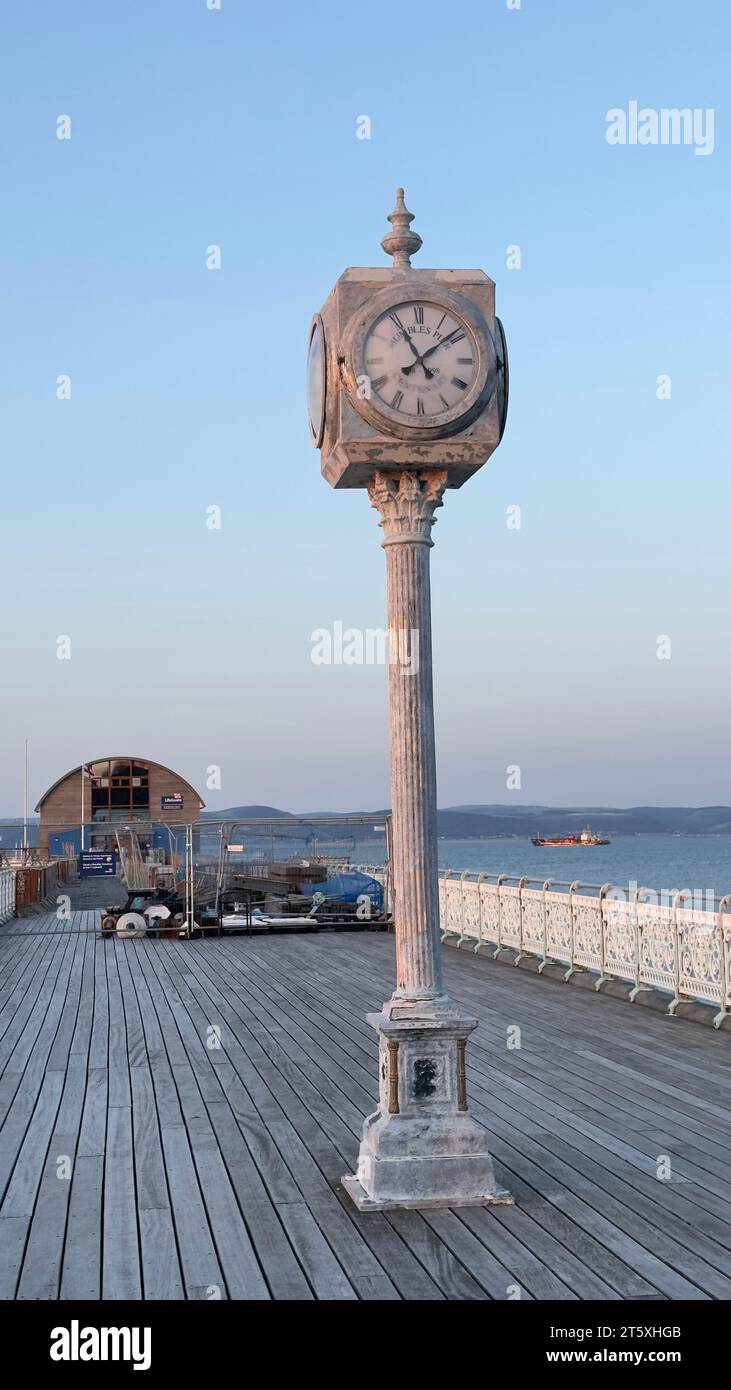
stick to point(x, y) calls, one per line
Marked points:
point(584, 837)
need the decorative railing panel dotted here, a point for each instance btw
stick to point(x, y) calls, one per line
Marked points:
point(490, 894)
point(534, 923)
point(587, 921)
point(558, 926)
point(701, 956)
point(620, 939)
point(509, 916)
point(656, 944)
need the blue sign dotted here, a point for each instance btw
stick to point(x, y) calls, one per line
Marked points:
point(97, 863)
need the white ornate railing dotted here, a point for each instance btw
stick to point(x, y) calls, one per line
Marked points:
point(7, 894)
point(617, 933)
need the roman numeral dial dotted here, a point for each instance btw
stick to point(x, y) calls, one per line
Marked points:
point(421, 361)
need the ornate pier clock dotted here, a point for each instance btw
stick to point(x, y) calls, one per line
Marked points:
point(407, 396)
point(407, 368)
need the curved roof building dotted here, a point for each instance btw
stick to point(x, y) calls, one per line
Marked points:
point(110, 793)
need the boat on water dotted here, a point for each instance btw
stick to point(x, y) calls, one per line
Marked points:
point(584, 837)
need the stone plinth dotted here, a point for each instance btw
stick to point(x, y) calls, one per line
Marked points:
point(421, 1147)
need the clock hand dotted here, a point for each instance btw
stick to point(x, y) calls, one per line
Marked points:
point(419, 359)
point(419, 363)
point(443, 342)
point(413, 348)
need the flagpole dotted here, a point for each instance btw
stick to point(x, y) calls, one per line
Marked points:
point(82, 808)
point(25, 803)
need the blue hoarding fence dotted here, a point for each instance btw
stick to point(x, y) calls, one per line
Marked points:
point(97, 863)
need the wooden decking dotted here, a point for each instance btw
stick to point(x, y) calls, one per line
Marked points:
point(139, 1159)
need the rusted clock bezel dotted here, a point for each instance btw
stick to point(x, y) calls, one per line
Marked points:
point(382, 417)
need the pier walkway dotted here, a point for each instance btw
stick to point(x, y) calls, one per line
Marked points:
point(175, 1118)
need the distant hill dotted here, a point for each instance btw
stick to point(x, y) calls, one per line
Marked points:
point(498, 821)
point(464, 823)
point(489, 821)
point(246, 813)
point(11, 831)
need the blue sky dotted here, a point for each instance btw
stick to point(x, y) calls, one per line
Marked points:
point(238, 127)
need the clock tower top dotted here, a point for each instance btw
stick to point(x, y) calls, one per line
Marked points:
point(406, 367)
point(401, 243)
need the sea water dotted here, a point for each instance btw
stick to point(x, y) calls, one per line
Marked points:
point(666, 863)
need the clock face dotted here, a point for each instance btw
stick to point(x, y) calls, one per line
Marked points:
point(501, 354)
point(316, 381)
point(421, 360)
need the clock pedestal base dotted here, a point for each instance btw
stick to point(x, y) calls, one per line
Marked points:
point(421, 1147)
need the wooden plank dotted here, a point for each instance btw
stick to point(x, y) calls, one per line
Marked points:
point(284, 1275)
point(81, 1275)
point(23, 1148)
point(42, 1263)
point(152, 1188)
point(13, 1234)
point(326, 1275)
point(99, 1043)
point(121, 1266)
point(161, 1273)
point(119, 1085)
point(27, 1021)
point(201, 1269)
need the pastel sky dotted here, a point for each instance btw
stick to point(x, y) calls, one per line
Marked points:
point(238, 127)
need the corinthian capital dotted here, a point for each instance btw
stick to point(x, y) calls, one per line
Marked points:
point(407, 502)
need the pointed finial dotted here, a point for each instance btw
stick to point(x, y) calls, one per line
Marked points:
point(401, 243)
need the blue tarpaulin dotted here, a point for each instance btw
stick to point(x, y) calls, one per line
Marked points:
point(347, 887)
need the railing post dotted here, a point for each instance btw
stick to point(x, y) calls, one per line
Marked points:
point(500, 880)
point(480, 878)
point(548, 884)
point(572, 889)
point(521, 885)
point(462, 878)
point(445, 879)
point(677, 998)
point(603, 979)
point(638, 988)
point(724, 1010)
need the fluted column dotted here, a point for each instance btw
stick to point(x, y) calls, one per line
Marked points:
point(407, 502)
point(420, 1147)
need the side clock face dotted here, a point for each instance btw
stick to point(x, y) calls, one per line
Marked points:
point(421, 360)
point(501, 363)
point(316, 381)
